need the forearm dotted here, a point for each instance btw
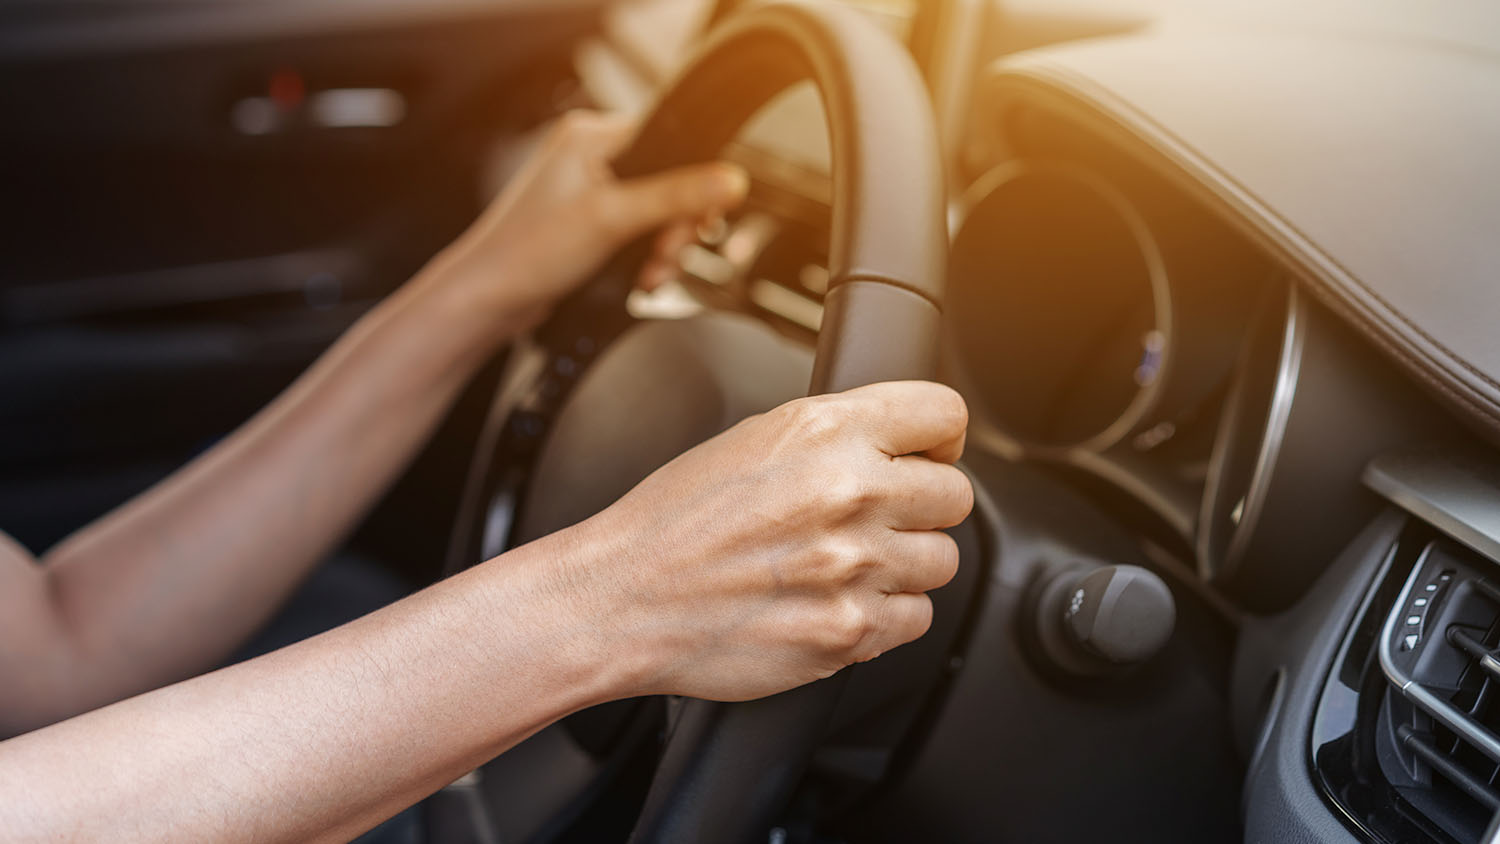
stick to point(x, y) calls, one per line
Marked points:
point(324, 739)
point(216, 547)
point(170, 583)
point(811, 549)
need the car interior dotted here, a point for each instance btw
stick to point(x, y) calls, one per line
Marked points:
point(1216, 279)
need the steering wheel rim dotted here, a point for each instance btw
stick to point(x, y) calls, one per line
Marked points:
point(728, 768)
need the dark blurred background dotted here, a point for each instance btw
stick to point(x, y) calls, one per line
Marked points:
point(196, 198)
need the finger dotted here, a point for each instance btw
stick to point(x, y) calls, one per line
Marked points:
point(655, 274)
point(913, 417)
point(950, 451)
point(604, 135)
point(918, 561)
point(630, 209)
point(923, 494)
point(665, 261)
point(713, 227)
point(673, 239)
point(903, 618)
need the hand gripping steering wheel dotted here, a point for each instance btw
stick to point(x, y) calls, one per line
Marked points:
point(729, 768)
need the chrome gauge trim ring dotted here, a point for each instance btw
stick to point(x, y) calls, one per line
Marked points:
point(1147, 398)
point(1271, 433)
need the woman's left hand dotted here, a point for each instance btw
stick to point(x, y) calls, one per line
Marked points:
point(565, 213)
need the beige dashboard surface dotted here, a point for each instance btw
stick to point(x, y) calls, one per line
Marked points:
point(1363, 149)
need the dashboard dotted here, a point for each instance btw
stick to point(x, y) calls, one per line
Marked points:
point(1105, 322)
point(1186, 287)
point(1217, 271)
point(1184, 283)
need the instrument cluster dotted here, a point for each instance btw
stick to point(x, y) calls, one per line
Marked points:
point(1102, 320)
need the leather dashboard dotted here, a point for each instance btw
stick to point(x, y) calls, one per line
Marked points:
point(1367, 161)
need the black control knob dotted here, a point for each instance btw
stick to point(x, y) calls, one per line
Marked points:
point(1101, 621)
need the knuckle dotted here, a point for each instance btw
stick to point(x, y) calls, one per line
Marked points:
point(844, 496)
point(843, 561)
point(848, 626)
point(814, 419)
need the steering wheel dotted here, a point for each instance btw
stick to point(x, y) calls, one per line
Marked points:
point(729, 768)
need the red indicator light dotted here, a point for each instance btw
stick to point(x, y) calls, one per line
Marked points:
point(287, 89)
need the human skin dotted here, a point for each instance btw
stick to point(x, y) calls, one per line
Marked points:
point(796, 543)
point(172, 583)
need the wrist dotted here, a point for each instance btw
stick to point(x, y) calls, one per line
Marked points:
point(588, 622)
point(490, 282)
point(445, 310)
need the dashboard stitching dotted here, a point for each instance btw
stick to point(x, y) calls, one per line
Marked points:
point(1184, 157)
point(1487, 407)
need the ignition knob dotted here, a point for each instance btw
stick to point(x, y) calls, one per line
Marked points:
point(1100, 621)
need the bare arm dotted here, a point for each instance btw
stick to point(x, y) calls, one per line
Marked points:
point(318, 741)
point(168, 585)
point(811, 549)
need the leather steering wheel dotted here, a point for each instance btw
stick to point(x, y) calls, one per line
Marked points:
point(728, 768)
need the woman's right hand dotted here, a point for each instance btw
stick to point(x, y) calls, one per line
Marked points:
point(794, 544)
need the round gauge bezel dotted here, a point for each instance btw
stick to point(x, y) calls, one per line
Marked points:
point(1141, 409)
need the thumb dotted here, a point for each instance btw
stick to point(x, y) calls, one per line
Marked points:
point(635, 207)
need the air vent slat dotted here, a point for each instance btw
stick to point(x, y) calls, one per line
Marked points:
point(1419, 760)
point(1488, 588)
point(1440, 650)
point(1421, 745)
point(1465, 641)
point(1432, 595)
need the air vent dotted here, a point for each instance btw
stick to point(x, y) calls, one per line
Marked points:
point(1436, 736)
